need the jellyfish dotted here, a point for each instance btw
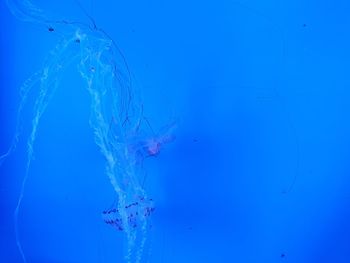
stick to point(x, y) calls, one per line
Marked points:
point(145, 146)
point(124, 145)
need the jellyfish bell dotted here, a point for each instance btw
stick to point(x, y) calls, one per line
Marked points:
point(155, 144)
point(153, 147)
point(142, 147)
point(149, 147)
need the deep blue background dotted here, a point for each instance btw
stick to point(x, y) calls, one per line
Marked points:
point(261, 91)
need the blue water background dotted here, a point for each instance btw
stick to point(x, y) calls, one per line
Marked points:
point(259, 170)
